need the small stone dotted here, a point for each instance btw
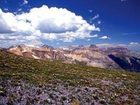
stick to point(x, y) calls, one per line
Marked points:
point(92, 103)
point(63, 98)
point(3, 93)
point(9, 103)
point(102, 102)
point(39, 91)
point(95, 97)
point(86, 89)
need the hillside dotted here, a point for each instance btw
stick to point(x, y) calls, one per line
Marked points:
point(40, 82)
point(90, 55)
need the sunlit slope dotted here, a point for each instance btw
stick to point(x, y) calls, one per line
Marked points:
point(47, 71)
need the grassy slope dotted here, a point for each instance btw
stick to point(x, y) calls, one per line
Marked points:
point(45, 71)
point(42, 72)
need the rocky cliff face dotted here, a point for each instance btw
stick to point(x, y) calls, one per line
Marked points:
point(43, 52)
point(92, 56)
point(124, 58)
point(117, 57)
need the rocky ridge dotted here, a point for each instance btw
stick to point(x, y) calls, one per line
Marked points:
point(113, 58)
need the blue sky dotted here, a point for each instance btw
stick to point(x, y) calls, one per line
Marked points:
point(116, 22)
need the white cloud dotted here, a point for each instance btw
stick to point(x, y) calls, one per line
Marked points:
point(45, 24)
point(104, 37)
point(133, 43)
point(4, 27)
point(104, 45)
point(19, 9)
point(99, 22)
point(95, 36)
point(6, 9)
point(25, 1)
point(93, 18)
point(88, 39)
point(134, 46)
point(90, 11)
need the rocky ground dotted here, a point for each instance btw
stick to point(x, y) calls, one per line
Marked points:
point(20, 92)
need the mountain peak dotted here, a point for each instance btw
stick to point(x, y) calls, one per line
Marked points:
point(47, 46)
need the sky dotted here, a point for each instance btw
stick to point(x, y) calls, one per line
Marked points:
point(70, 22)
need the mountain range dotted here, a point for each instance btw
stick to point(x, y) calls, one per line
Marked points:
point(112, 58)
point(29, 81)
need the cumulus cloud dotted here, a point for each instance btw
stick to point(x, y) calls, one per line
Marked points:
point(45, 23)
point(104, 37)
point(4, 27)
